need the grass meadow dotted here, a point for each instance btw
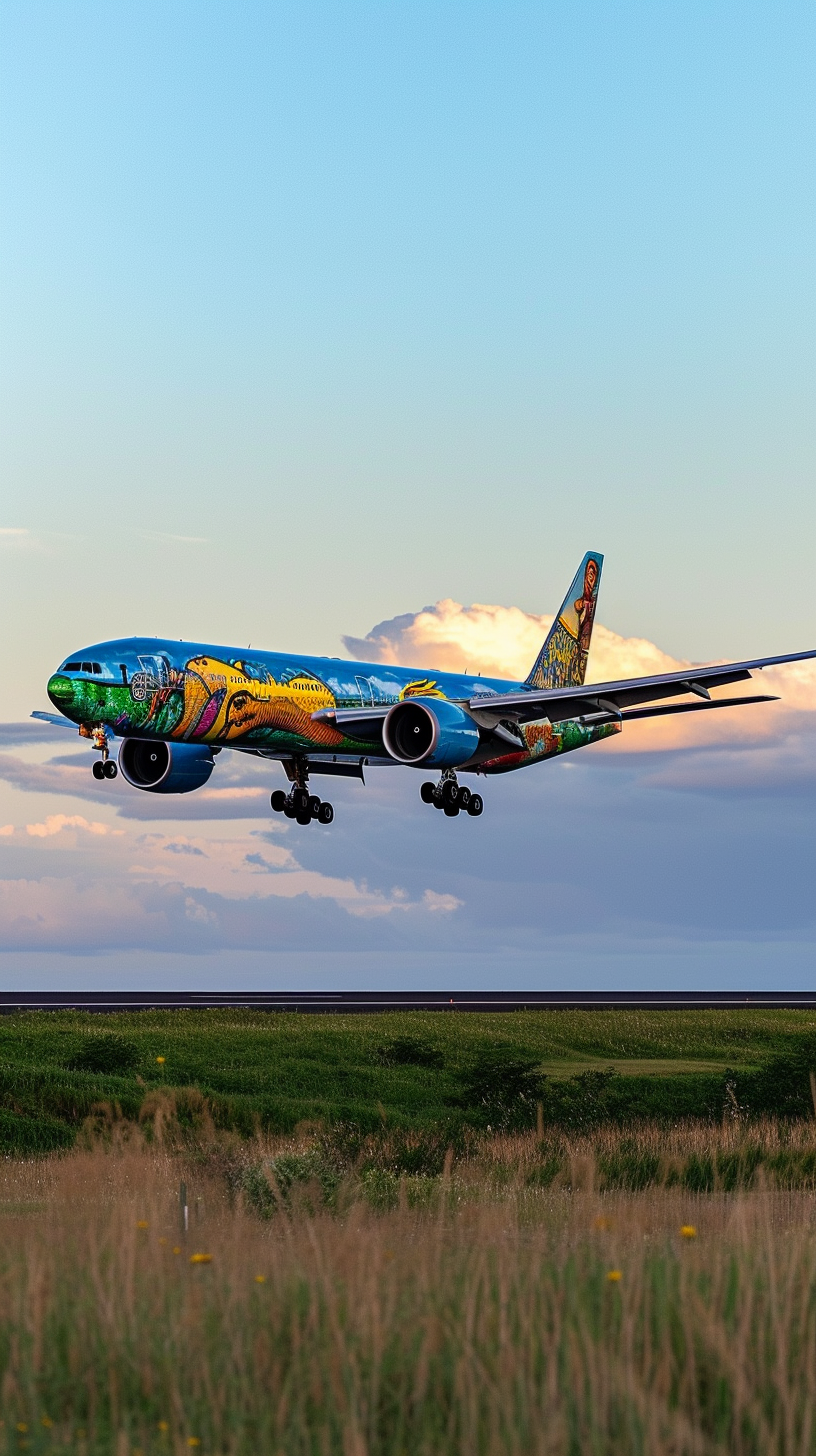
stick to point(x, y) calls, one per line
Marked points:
point(271, 1072)
point(556, 1233)
point(480, 1309)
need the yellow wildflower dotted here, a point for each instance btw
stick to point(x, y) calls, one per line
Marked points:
point(193, 1441)
point(163, 1425)
point(142, 1223)
point(22, 1426)
point(201, 1258)
point(160, 1061)
point(260, 1278)
point(176, 1249)
point(47, 1422)
point(688, 1231)
point(614, 1276)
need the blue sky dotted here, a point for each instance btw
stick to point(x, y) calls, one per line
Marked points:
point(316, 314)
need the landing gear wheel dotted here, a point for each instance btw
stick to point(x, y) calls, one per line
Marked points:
point(325, 814)
point(463, 797)
point(426, 793)
point(451, 810)
point(476, 805)
point(98, 769)
point(304, 818)
point(109, 769)
point(313, 806)
point(300, 799)
point(450, 793)
point(289, 809)
point(278, 801)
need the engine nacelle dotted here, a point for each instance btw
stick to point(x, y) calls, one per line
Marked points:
point(165, 768)
point(430, 731)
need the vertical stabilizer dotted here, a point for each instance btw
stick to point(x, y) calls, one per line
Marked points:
point(562, 661)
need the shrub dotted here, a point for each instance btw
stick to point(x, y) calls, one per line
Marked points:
point(501, 1087)
point(409, 1051)
point(108, 1053)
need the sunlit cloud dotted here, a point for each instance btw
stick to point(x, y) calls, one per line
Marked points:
point(56, 823)
point(6, 831)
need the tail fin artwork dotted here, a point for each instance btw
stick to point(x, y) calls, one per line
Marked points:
point(562, 661)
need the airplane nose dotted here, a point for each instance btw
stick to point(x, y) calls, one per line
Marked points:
point(61, 691)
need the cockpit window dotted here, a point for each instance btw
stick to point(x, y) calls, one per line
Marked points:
point(72, 667)
point(87, 667)
point(97, 668)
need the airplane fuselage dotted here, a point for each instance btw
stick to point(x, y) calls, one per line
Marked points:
point(264, 702)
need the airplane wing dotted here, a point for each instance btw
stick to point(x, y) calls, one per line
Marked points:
point(595, 702)
point(55, 719)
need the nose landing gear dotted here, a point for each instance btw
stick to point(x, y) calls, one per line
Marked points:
point(103, 768)
point(452, 797)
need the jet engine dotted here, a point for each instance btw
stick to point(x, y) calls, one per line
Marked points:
point(165, 768)
point(430, 731)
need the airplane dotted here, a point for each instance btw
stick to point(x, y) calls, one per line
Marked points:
point(174, 706)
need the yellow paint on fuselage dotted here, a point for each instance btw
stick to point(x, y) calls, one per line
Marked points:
point(207, 676)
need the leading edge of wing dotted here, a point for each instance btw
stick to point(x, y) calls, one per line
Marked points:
point(560, 703)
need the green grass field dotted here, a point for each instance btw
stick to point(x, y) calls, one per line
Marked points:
point(271, 1072)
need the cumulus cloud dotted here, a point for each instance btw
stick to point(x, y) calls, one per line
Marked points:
point(56, 823)
point(496, 642)
point(6, 831)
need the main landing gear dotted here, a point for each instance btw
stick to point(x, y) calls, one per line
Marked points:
point(452, 797)
point(299, 804)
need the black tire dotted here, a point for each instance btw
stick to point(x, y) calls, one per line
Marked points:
point(278, 801)
point(110, 769)
point(300, 798)
point(314, 806)
point(476, 805)
point(464, 796)
point(289, 809)
point(450, 793)
point(98, 769)
point(304, 818)
point(426, 793)
point(325, 814)
point(451, 810)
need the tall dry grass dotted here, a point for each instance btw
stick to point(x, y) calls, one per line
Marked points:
point(483, 1322)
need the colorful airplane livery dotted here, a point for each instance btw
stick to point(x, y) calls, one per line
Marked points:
point(173, 706)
